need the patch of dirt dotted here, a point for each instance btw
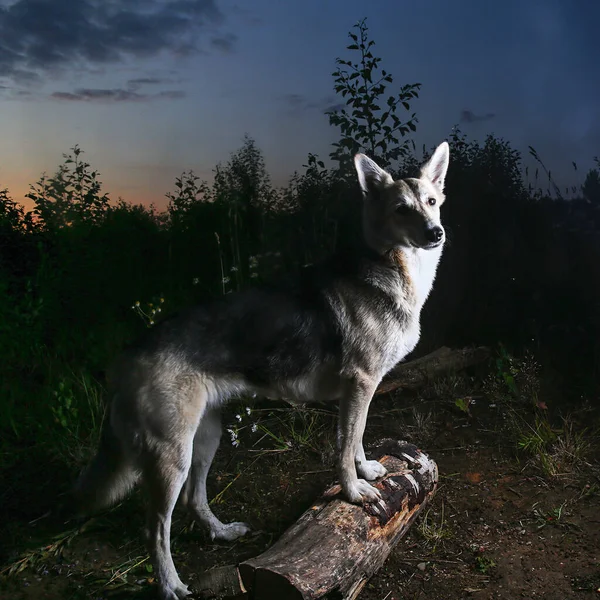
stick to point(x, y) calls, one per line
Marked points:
point(496, 528)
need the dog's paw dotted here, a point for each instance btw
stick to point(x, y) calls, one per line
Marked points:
point(229, 532)
point(371, 469)
point(174, 591)
point(360, 491)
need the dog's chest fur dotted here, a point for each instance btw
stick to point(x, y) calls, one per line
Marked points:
point(381, 330)
point(377, 314)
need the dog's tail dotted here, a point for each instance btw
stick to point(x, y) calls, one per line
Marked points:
point(107, 479)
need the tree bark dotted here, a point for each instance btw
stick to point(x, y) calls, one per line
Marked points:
point(415, 373)
point(335, 547)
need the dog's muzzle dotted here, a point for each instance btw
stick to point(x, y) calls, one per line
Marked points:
point(434, 236)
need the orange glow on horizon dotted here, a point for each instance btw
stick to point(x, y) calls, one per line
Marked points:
point(17, 191)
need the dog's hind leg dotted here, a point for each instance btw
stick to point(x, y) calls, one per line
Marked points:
point(164, 473)
point(206, 442)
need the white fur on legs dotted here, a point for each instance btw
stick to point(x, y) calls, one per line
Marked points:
point(354, 406)
point(206, 442)
point(164, 478)
point(369, 469)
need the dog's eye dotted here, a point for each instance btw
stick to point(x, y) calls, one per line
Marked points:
point(431, 201)
point(402, 209)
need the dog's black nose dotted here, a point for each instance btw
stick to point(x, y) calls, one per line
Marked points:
point(434, 234)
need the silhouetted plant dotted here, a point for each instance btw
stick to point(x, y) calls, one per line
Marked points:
point(591, 186)
point(71, 195)
point(244, 188)
point(190, 191)
point(370, 123)
point(313, 200)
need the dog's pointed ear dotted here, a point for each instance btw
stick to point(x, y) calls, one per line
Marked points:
point(436, 167)
point(370, 175)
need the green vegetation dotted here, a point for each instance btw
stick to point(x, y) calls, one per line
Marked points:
point(81, 275)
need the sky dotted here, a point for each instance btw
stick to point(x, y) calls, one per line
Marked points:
point(152, 88)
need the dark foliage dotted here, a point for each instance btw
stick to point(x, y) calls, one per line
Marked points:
point(78, 271)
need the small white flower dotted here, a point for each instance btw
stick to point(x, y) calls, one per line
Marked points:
point(159, 310)
point(235, 443)
point(248, 411)
point(234, 269)
point(151, 322)
point(254, 427)
point(226, 279)
point(238, 417)
point(195, 281)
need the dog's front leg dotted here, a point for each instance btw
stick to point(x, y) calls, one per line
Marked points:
point(369, 469)
point(353, 417)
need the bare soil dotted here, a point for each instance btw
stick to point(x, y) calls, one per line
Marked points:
point(498, 527)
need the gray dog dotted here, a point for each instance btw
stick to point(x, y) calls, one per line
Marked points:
point(330, 335)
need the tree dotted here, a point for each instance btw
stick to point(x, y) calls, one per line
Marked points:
point(243, 187)
point(72, 195)
point(364, 124)
point(591, 186)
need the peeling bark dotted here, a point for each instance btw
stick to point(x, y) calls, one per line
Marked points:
point(335, 547)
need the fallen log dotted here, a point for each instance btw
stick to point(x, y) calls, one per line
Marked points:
point(444, 360)
point(335, 547)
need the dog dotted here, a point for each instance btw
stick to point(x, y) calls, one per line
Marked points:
point(331, 334)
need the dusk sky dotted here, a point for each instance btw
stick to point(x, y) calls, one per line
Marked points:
point(150, 88)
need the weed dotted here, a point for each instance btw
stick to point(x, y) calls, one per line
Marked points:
point(127, 576)
point(463, 405)
point(77, 410)
point(484, 564)
point(421, 425)
point(555, 451)
point(550, 517)
point(149, 311)
point(434, 531)
point(294, 429)
point(36, 558)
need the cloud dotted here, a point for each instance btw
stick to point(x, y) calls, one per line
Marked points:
point(146, 81)
point(39, 37)
point(224, 43)
point(468, 116)
point(115, 95)
point(171, 94)
point(298, 103)
point(334, 107)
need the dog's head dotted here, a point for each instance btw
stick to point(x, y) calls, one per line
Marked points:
point(404, 212)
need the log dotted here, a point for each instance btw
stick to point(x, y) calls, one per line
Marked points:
point(221, 582)
point(335, 547)
point(444, 360)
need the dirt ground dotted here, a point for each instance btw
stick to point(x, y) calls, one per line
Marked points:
point(498, 527)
